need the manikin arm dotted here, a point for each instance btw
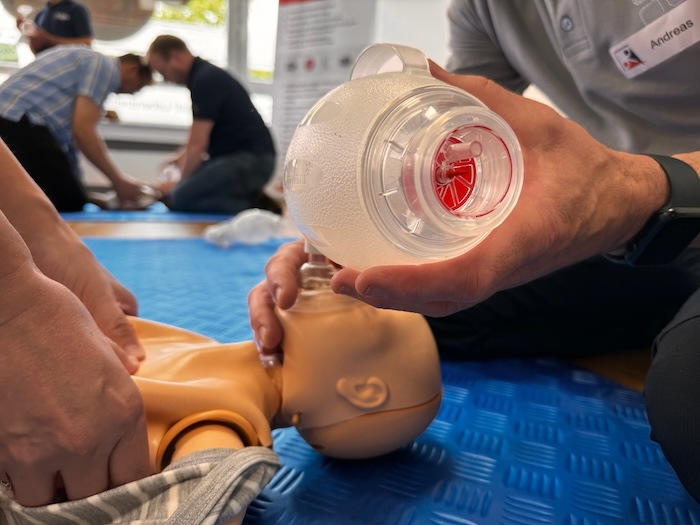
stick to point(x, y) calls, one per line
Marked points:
point(206, 437)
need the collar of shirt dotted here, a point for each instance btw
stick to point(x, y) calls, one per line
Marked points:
point(197, 63)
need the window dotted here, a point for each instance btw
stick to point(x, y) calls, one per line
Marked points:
point(202, 24)
point(130, 26)
point(261, 32)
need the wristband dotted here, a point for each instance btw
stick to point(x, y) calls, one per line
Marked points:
point(671, 229)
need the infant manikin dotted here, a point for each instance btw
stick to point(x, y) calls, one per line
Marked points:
point(355, 381)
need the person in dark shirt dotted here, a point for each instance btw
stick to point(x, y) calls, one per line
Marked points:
point(60, 22)
point(229, 156)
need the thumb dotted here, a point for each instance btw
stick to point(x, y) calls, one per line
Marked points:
point(130, 362)
point(387, 286)
point(125, 298)
point(116, 326)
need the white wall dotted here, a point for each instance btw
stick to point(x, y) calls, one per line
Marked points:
point(418, 23)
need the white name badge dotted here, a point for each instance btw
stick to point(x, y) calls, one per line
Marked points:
point(662, 39)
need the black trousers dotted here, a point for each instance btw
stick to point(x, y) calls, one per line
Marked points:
point(672, 394)
point(43, 158)
point(598, 306)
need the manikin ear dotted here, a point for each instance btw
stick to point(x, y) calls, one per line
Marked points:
point(364, 393)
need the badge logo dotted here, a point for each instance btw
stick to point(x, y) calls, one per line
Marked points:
point(627, 58)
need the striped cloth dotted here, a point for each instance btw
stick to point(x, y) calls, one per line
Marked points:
point(46, 89)
point(208, 487)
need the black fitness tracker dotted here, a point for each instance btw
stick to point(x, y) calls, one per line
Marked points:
point(673, 227)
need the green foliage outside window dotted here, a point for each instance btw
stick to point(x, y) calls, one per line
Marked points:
point(206, 12)
point(8, 53)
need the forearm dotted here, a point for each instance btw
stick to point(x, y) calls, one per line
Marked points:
point(644, 190)
point(191, 159)
point(188, 166)
point(95, 150)
point(196, 147)
point(26, 206)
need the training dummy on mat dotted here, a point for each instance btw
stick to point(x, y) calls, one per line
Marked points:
point(355, 381)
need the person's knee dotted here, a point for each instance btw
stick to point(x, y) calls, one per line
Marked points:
point(186, 198)
point(180, 201)
point(672, 395)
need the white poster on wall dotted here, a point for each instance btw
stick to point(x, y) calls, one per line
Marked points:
point(317, 44)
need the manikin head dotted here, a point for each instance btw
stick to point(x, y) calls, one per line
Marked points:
point(357, 381)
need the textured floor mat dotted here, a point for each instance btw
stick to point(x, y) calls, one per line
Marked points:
point(516, 442)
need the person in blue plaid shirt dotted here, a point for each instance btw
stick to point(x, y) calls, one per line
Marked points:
point(50, 109)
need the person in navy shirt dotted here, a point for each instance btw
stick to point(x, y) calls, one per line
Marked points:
point(60, 22)
point(229, 156)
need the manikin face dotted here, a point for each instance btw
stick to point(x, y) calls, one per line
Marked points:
point(357, 381)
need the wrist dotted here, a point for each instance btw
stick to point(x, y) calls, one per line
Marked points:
point(672, 227)
point(645, 190)
point(691, 159)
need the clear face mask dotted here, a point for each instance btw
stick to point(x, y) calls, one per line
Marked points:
point(396, 167)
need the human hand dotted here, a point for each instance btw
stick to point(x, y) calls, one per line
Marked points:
point(169, 177)
point(62, 256)
point(111, 115)
point(73, 417)
point(131, 194)
point(279, 289)
point(579, 199)
point(167, 187)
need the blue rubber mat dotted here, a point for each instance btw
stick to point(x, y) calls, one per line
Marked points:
point(516, 442)
point(158, 212)
point(189, 283)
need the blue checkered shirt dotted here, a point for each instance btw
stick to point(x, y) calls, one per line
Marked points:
point(46, 89)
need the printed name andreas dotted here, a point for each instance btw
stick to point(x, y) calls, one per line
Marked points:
point(668, 35)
